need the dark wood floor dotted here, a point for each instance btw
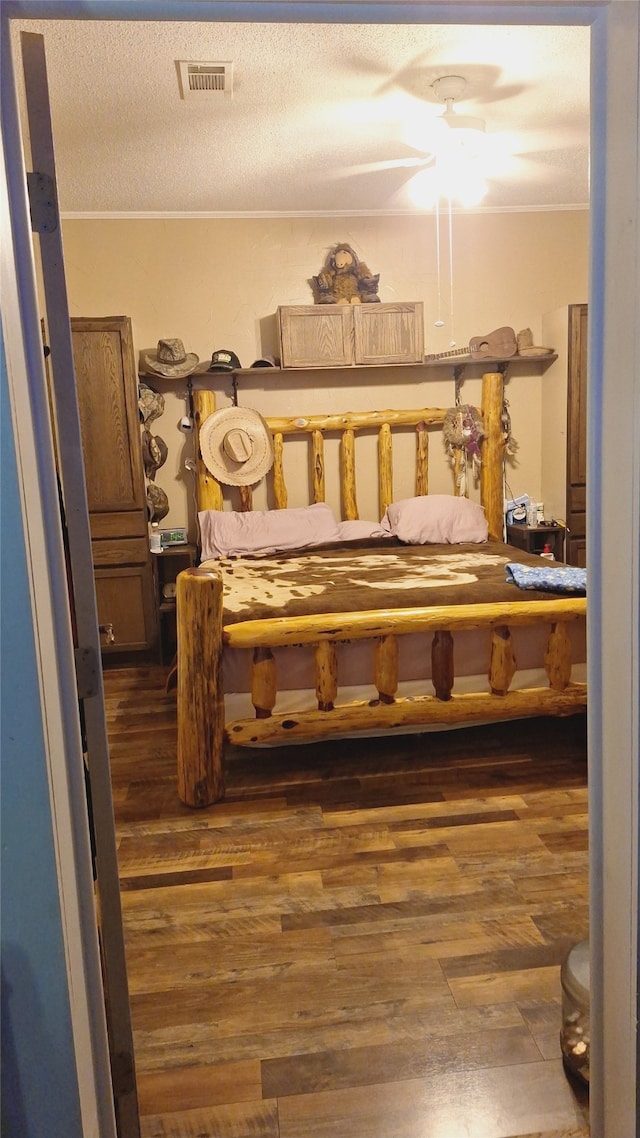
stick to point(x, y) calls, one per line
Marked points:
point(362, 941)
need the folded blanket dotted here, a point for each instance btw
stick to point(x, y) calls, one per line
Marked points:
point(552, 578)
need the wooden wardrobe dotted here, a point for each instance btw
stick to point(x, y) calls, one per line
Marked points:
point(564, 427)
point(107, 385)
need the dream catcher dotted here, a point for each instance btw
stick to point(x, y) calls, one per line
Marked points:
point(462, 432)
point(510, 444)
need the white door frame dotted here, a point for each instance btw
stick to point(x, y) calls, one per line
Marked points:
point(58, 694)
point(613, 479)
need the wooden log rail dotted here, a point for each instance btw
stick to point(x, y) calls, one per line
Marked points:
point(346, 426)
point(288, 630)
point(317, 427)
point(201, 638)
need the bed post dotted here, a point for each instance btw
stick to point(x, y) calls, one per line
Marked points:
point(491, 472)
point(200, 693)
point(208, 490)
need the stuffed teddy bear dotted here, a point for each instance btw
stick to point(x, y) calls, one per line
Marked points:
point(345, 279)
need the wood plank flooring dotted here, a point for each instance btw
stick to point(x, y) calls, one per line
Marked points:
point(362, 941)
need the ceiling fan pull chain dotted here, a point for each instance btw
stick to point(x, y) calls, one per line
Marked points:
point(439, 322)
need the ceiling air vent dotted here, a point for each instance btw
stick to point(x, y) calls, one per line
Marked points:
point(201, 80)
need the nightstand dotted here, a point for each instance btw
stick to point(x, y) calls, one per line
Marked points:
point(534, 538)
point(167, 563)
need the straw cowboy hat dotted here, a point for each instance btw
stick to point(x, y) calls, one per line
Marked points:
point(236, 446)
point(170, 359)
point(526, 346)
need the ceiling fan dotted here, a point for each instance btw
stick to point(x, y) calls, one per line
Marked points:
point(458, 145)
point(452, 151)
point(447, 89)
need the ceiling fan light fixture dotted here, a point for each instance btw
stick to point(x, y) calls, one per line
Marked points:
point(447, 89)
point(463, 122)
point(424, 190)
point(472, 192)
point(428, 188)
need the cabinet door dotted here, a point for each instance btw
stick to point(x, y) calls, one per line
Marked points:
point(577, 435)
point(389, 333)
point(577, 551)
point(126, 601)
point(316, 335)
point(577, 424)
point(107, 385)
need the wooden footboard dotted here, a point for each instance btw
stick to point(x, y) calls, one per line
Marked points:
point(202, 731)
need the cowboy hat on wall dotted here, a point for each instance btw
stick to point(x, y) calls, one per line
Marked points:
point(171, 360)
point(154, 453)
point(526, 346)
point(236, 446)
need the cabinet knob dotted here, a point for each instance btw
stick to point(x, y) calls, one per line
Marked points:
point(106, 630)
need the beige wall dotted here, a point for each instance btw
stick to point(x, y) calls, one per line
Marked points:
point(218, 283)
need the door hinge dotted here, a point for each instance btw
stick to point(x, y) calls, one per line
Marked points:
point(43, 204)
point(86, 672)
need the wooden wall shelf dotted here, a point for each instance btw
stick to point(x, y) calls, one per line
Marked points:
point(521, 362)
point(531, 362)
point(456, 364)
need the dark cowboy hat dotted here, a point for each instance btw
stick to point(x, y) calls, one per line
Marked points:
point(154, 453)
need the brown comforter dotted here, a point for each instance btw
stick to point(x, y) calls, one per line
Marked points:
point(368, 575)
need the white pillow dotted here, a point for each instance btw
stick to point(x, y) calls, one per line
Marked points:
point(438, 519)
point(227, 533)
point(353, 531)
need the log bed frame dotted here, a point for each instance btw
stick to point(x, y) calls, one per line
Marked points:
point(202, 730)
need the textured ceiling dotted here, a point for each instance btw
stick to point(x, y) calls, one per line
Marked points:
point(319, 116)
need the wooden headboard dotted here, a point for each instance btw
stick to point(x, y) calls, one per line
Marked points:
point(424, 420)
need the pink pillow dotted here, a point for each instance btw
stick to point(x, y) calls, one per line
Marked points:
point(437, 519)
point(226, 533)
point(353, 531)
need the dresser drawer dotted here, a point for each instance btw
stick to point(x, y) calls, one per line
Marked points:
point(120, 551)
point(119, 523)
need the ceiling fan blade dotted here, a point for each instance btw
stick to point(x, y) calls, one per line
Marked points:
point(417, 76)
point(378, 167)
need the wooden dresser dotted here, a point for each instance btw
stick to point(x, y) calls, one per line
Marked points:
point(564, 427)
point(107, 384)
point(577, 436)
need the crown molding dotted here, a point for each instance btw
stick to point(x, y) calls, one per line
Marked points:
point(179, 215)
